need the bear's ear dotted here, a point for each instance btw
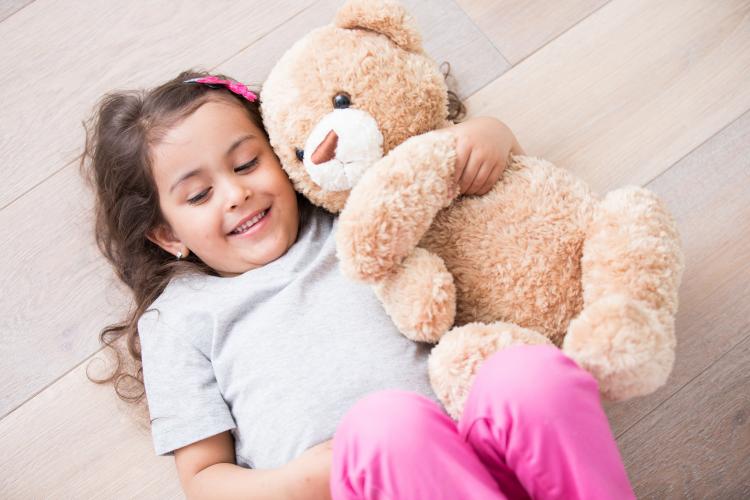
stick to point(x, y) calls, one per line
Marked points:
point(386, 17)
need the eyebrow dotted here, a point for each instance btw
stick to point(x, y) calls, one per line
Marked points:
point(196, 171)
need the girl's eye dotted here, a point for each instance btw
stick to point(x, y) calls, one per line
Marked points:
point(198, 197)
point(247, 165)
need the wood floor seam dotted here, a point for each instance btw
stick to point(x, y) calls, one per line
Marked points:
point(484, 35)
point(686, 384)
point(53, 382)
point(32, 188)
point(696, 148)
point(555, 38)
point(11, 14)
point(309, 6)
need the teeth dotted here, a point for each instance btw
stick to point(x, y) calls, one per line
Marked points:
point(247, 225)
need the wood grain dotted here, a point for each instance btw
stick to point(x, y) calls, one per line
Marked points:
point(519, 28)
point(629, 90)
point(57, 290)
point(10, 7)
point(75, 440)
point(698, 444)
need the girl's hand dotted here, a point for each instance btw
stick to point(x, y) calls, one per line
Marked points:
point(483, 145)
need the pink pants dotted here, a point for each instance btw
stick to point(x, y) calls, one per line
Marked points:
point(532, 427)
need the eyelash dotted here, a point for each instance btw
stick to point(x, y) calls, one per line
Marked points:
point(247, 165)
point(200, 196)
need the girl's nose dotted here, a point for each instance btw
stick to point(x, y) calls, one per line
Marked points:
point(235, 205)
point(237, 194)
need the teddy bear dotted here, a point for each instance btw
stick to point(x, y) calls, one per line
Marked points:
point(357, 112)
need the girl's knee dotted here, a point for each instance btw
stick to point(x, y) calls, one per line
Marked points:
point(388, 418)
point(535, 376)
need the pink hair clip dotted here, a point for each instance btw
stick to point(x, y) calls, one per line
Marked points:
point(216, 82)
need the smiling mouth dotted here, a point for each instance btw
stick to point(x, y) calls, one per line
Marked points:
point(246, 226)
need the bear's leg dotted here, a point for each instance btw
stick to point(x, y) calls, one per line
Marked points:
point(454, 362)
point(631, 269)
point(419, 296)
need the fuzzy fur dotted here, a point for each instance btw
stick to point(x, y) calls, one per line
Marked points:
point(404, 289)
point(456, 359)
point(539, 259)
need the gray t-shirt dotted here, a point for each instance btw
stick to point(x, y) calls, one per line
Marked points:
point(277, 354)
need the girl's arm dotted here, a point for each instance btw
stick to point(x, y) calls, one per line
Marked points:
point(207, 470)
point(482, 148)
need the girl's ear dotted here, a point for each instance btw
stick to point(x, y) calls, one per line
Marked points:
point(386, 17)
point(163, 236)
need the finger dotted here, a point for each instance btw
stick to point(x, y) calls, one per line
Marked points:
point(463, 152)
point(462, 160)
point(470, 171)
point(494, 176)
point(481, 178)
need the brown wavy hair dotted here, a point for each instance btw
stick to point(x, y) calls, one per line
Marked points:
point(456, 108)
point(116, 163)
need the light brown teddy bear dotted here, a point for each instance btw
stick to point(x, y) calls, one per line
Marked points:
point(354, 112)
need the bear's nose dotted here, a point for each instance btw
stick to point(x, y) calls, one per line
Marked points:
point(326, 150)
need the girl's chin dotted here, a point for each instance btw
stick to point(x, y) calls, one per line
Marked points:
point(266, 251)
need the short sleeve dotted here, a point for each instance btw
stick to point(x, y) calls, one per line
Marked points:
point(184, 399)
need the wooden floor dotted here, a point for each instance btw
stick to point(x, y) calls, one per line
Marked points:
point(648, 92)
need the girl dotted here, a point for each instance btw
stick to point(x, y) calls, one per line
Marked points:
point(256, 351)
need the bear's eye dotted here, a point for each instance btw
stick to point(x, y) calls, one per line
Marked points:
point(342, 100)
point(300, 154)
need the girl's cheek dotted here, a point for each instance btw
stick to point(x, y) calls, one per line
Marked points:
point(203, 225)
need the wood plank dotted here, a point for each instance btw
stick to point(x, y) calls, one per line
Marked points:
point(63, 293)
point(447, 32)
point(520, 28)
point(629, 90)
point(76, 440)
point(697, 445)
point(708, 194)
point(10, 7)
point(59, 57)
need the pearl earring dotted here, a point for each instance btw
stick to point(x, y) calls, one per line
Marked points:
point(179, 255)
